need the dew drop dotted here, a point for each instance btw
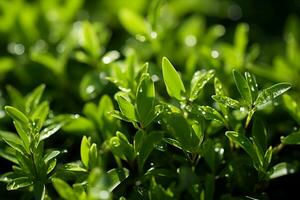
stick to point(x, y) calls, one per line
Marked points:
point(190, 40)
point(103, 194)
point(153, 35)
point(154, 78)
point(90, 89)
point(76, 116)
point(2, 114)
point(214, 54)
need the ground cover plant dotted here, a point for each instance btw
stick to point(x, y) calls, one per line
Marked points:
point(181, 99)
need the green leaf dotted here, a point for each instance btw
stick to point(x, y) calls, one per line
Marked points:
point(63, 189)
point(16, 97)
point(84, 151)
point(12, 140)
point(245, 143)
point(241, 39)
point(50, 130)
point(242, 87)
point(51, 165)
point(282, 169)
point(108, 124)
point(209, 187)
point(199, 80)
point(33, 99)
point(93, 156)
point(17, 115)
point(91, 85)
point(292, 107)
point(23, 135)
point(116, 176)
point(174, 143)
point(158, 192)
point(10, 155)
point(147, 145)
point(268, 157)
point(134, 23)
point(145, 97)
point(209, 154)
point(172, 79)
point(198, 130)
point(79, 125)
point(182, 132)
point(89, 39)
point(259, 134)
point(210, 113)
point(126, 108)
point(219, 89)
point(251, 80)
point(19, 182)
point(51, 155)
point(121, 147)
point(227, 101)
point(74, 167)
point(269, 94)
point(40, 114)
point(293, 138)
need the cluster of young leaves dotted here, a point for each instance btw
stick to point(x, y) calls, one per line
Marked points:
point(152, 131)
point(32, 164)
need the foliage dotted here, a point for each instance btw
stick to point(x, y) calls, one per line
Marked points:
point(147, 100)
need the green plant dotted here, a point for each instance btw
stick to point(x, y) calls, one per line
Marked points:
point(149, 100)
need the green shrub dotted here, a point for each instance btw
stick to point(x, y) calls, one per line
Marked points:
point(148, 100)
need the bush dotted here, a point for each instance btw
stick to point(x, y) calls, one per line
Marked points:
point(147, 100)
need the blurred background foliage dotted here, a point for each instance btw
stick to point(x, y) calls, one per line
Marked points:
point(74, 45)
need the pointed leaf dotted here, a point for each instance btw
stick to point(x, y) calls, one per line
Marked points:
point(182, 132)
point(292, 107)
point(12, 140)
point(268, 157)
point(40, 114)
point(93, 156)
point(84, 151)
point(199, 80)
point(259, 134)
point(121, 147)
point(219, 90)
point(227, 101)
point(133, 22)
point(269, 94)
point(116, 176)
point(16, 97)
point(293, 138)
point(242, 87)
point(251, 80)
point(49, 156)
point(148, 144)
point(49, 131)
point(126, 108)
point(210, 113)
point(245, 143)
point(33, 99)
point(172, 79)
point(145, 97)
point(63, 189)
point(282, 169)
point(17, 115)
point(18, 183)
point(23, 133)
